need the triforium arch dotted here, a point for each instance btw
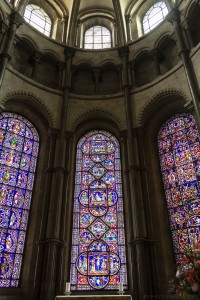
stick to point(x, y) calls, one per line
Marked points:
point(156, 114)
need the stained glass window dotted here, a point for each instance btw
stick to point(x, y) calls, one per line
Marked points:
point(97, 37)
point(18, 154)
point(154, 16)
point(98, 257)
point(38, 18)
point(179, 150)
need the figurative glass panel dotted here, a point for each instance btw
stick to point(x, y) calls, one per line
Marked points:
point(98, 257)
point(97, 37)
point(179, 150)
point(19, 143)
point(154, 16)
point(38, 18)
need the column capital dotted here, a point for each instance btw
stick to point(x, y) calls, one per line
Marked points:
point(156, 54)
point(16, 19)
point(36, 56)
point(173, 16)
point(123, 51)
point(69, 52)
point(3, 27)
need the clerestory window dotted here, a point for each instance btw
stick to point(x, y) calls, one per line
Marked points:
point(154, 16)
point(97, 37)
point(38, 18)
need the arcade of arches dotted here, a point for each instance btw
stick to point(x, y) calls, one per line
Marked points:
point(99, 145)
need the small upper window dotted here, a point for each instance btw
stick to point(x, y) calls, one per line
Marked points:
point(38, 18)
point(154, 16)
point(97, 37)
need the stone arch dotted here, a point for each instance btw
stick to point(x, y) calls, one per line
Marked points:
point(192, 16)
point(159, 100)
point(33, 101)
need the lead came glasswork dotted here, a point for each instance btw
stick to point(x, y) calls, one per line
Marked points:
point(179, 150)
point(19, 143)
point(98, 258)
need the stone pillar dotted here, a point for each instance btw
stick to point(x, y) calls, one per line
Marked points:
point(119, 22)
point(174, 18)
point(21, 6)
point(42, 243)
point(53, 240)
point(35, 59)
point(61, 67)
point(3, 30)
point(156, 56)
point(96, 76)
point(73, 23)
point(128, 30)
point(116, 40)
point(65, 20)
point(188, 32)
point(15, 21)
point(132, 69)
point(78, 34)
point(140, 250)
point(66, 214)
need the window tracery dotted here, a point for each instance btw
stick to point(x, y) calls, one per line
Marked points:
point(38, 18)
point(179, 150)
point(97, 37)
point(98, 256)
point(19, 144)
point(154, 16)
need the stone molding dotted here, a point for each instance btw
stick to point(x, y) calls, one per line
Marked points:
point(24, 94)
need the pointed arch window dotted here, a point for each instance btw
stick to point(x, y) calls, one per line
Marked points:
point(38, 18)
point(154, 16)
point(98, 256)
point(97, 37)
point(179, 150)
point(19, 144)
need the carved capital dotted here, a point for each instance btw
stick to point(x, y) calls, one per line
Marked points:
point(156, 54)
point(173, 16)
point(69, 52)
point(3, 27)
point(16, 19)
point(123, 51)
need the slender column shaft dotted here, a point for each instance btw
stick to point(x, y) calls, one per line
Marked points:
point(174, 18)
point(35, 61)
point(73, 23)
point(53, 232)
point(140, 248)
point(119, 22)
point(21, 6)
point(188, 31)
point(43, 225)
point(128, 21)
point(65, 24)
point(3, 30)
point(156, 59)
point(15, 21)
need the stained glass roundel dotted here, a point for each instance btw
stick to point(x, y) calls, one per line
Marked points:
point(98, 258)
point(179, 150)
point(19, 143)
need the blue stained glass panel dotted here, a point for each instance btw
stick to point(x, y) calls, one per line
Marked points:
point(19, 144)
point(179, 150)
point(98, 257)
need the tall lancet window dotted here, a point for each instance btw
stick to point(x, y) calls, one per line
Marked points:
point(98, 257)
point(179, 150)
point(19, 143)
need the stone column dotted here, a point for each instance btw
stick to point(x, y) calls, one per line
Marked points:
point(65, 20)
point(188, 32)
point(156, 56)
point(42, 243)
point(73, 23)
point(132, 69)
point(140, 251)
point(128, 30)
point(21, 6)
point(119, 22)
point(61, 67)
point(56, 199)
point(3, 30)
point(174, 18)
point(96, 76)
point(15, 21)
point(78, 34)
point(35, 59)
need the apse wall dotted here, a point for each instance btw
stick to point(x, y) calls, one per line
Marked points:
point(158, 89)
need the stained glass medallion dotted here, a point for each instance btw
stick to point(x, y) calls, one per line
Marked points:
point(179, 150)
point(98, 258)
point(19, 143)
